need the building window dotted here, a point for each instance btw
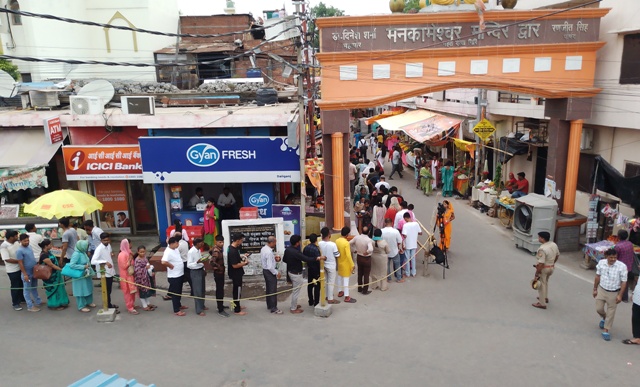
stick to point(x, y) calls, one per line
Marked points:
point(631, 169)
point(15, 6)
point(629, 69)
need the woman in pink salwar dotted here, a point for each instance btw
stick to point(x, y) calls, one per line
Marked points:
point(127, 283)
point(210, 222)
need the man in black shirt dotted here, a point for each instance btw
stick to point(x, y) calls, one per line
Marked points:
point(236, 263)
point(313, 270)
point(294, 258)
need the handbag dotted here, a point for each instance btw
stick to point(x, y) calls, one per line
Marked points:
point(42, 272)
point(130, 270)
point(67, 271)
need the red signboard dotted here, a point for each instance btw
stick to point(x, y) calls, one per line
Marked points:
point(53, 130)
point(110, 162)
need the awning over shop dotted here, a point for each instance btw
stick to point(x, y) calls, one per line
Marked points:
point(511, 147)
point(424, 126)
point(434, 130)
point(610, 180)
point(386, 114)
point(24, 148)
point(23, 178)
point(396, 122)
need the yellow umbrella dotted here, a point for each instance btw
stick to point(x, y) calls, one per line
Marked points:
point(64, 202)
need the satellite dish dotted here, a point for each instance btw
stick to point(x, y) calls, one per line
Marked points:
point(7, 85)
point(100, 88)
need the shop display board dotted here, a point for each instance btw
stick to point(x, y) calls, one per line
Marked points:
point(256, 232)
point(114, 216)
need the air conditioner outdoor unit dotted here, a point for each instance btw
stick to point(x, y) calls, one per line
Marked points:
point(138, 105)
point(81, 105)
point(43, 98)
point(533, 213)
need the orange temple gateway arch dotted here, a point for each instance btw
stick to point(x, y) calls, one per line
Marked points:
point(368, 61)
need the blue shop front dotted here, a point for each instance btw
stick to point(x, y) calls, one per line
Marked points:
point(235, 172)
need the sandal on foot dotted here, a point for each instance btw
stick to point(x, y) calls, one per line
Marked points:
point(181, 313)
point(601, 325)
point(91, 305)
point(350, 300)
point(538, 305)
point(166, 298)
point(148, 309)
point(133, 311)
point(628, 341)
point(202, 314)
point(606, 336)
point(85, 310)
point(340, 294)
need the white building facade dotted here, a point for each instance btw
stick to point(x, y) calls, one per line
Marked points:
point(42, 38)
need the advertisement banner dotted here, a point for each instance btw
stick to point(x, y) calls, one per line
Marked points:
point(23, 178)
point(291, 216)
point(218, 160)
point(108, 162)
point(259, 195)
point(114, 215)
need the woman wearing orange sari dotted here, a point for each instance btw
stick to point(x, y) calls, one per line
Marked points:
point(127, 283)
point(447, 218)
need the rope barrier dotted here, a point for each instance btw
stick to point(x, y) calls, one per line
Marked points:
point(313, 282)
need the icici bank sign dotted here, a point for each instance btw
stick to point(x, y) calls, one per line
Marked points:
point(109, 162)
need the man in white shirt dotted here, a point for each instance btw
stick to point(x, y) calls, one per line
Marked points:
point(197, 198)
point(608, 287)
point(330, 250)
point(34, 239)
point(175, 273)
point(93, 232)
point(410, 230)
point(226, 203)
point(183, 250)
point(382, 183)
point(270, 273)
point(394, 240)
point(104, 254)
point(8, 250)
point(197, 274)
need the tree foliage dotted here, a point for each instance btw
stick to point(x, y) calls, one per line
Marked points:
point(321, 10)
point(411, 5)
point(10, 68)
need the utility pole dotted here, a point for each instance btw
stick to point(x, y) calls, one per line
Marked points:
point(302, 130)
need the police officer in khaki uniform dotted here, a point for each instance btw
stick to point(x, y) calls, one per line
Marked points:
point(547, 257)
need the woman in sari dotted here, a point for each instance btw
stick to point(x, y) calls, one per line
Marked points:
point(447, 218)
point(447, 179)
point(426, 179)
point(210, 222)
point(417, 163)
point(127, 282)
point(378, 215)
point(57, 298)
point(82, 287)
point(143, 279)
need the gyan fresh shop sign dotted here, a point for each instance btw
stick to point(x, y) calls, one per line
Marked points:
point(219, 160)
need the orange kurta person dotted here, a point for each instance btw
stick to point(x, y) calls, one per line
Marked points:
point(448, 217)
